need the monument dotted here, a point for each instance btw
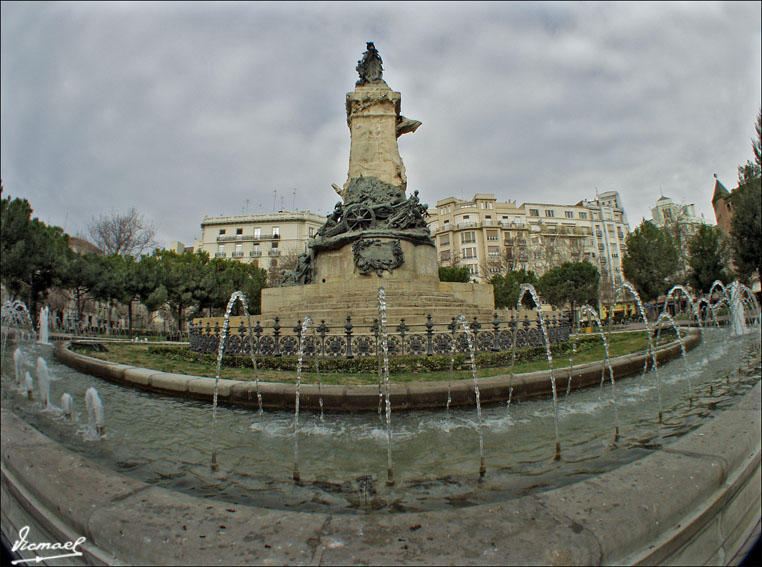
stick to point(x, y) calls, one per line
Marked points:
point(377, 233)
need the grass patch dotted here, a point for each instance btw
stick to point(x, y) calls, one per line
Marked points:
point(181, 360)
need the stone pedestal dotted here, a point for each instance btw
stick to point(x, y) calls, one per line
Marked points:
point(373, 112)
point(420, 265)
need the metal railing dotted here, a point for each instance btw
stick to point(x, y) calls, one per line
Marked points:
point(356, 341)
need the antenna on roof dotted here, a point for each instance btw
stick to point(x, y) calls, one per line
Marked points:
point(275, 197)
point(293, 200)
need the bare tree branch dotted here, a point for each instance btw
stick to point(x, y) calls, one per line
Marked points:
point(127, 234)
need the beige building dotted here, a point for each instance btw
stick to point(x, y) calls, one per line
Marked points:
point(490, 237)
point(263, 240)
point(682, 223)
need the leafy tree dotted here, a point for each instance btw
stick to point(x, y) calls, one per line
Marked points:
point(127, 234)
point(650, 261)
point(34, 255)
point(707, 259)
point(753, 169)
point(224, 277)
point(454, 274)
point(746, 228)
point(571, 283)
point(507, 288)
point(83, 272)
point(112, 285)
point(182, 276)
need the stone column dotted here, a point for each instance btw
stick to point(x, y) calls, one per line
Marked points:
point(373, 113)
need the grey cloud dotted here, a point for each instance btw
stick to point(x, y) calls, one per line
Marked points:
point(189, 109)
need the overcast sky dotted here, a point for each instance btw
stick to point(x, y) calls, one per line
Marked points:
point(183, 110)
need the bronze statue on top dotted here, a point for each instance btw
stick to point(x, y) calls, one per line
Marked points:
point(369, 67)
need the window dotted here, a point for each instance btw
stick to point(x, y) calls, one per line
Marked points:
point(444, 256)
point(257, 233)
point(492, 235)
point(582, 215)
point(276, 232)
point(444, 240)
point(274, 263)
point(493, 251)
point(238, 251)
point(469, 252)
point(549, 213)
point(534, 212)
point(222, 231)
point(468, 236)
point(239, 231)
point(275, 244)
point(473, 269)
point(312, 231)
point(569, 214)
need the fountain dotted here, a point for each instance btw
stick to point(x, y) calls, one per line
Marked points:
point(44, 325)
point(95, 424)
point(146, 493)
point(336, 468)
point(67, 405)
point(43, 382)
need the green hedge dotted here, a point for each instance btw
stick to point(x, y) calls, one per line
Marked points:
point(409, 364)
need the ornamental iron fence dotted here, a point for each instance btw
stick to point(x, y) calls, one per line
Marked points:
point(357, 341)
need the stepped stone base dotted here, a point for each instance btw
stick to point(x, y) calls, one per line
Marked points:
point(408, 299)
point(413, 290)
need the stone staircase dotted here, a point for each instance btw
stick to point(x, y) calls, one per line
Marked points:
point(362, 305)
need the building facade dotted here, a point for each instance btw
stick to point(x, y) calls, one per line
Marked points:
point(490, 237)
point(263, 240)
point(682, 223)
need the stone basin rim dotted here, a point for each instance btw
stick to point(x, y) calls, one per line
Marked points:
point(365, 397)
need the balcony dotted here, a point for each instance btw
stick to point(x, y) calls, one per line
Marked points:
point(248, 237)
point(467, 224)
point(219, 254)
point(237, 255)
point(273, 252)
point(255, 254)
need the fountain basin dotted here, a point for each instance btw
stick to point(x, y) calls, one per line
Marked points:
point(419, 395)
point(695, 502)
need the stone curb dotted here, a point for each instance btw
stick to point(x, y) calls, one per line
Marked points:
point(419, 395)
point(693, 503)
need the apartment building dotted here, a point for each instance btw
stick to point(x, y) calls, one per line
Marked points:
point(262, 240)
point(610, 229)
point(490, 237)
point(474, 233)
point(682, 223)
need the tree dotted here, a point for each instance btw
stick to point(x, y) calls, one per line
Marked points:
point(127, 234)
point(753, 169)
point(182, 281)
point(650, 261)
point(746, 228)
point(34, 255)
point(572, 283)
point(454, 274)
point(707, 259)
point(224, 277)
point(507, 288)
point(83, 273)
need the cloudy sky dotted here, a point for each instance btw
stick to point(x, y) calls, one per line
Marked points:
point(183, 110)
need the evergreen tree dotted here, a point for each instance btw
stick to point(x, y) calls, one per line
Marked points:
point(571, 283)
point(707, 259)
point(650, 261)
